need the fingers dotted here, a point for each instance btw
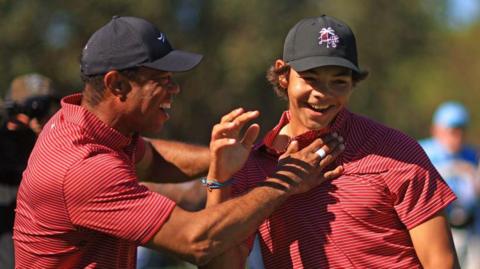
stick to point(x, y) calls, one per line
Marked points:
point(292, 148)
point(319, 142)
point(243, 118)
point(231, 115)
point(250, 135)
point(332, 174)
point(321, 148)
point(332, 150)
point(220, 143)
point(336, 150)
point(220, 130)
point(239, 116)
point(231, 124)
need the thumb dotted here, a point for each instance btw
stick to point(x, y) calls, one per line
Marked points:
point(250, 135)
point(292, 148)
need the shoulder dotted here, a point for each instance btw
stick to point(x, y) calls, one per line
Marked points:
point(471, 153)
point(382, 137)
point(384, 147)
point(102, 174)
point(101, 164)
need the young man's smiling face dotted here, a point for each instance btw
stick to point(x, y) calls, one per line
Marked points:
point(316, 96)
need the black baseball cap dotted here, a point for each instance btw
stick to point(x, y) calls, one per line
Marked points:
point(127, 42)
point(320, 41)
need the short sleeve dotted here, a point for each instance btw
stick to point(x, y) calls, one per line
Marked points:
point(102, 194)
point(418, 191)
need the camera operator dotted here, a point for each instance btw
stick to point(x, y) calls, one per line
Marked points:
point(28, 104)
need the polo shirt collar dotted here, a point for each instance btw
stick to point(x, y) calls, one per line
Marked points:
point(338, 126)
point(101, 132)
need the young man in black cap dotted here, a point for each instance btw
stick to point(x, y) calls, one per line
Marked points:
point(384, 211)
point(80, 204)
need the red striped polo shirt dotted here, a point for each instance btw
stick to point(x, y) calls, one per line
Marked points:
point(79, 204)
point(362, 218)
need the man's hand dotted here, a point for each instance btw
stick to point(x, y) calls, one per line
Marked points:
point(229, 149)
point(300, 171)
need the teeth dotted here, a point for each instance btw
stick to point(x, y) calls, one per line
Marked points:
point(166, 106)
point(319, 107)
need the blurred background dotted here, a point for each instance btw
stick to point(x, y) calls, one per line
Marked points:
point(419, 53)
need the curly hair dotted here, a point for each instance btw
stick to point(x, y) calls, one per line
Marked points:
point(274, 73)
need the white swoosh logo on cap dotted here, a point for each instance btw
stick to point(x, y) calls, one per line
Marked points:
point(161, 38)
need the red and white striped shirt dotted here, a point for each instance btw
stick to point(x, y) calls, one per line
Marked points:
point(79, 204)
point(362, 218)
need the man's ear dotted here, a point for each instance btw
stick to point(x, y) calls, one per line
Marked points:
point(283, 78)
point(116, 84)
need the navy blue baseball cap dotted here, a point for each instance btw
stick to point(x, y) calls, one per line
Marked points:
point(451, 115)
point(127, 42)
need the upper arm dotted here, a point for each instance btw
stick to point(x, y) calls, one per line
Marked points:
point(166, 161)
point(102, 193)
point(433, 243)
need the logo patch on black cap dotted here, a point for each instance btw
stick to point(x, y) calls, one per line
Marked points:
point(328, 37)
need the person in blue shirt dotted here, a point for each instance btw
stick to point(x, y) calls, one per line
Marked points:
point(457, 162)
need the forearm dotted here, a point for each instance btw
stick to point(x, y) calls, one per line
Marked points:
point(210, 232)
point(218, 196)
point(234, 258)
point(174, 161)
point(231, 222)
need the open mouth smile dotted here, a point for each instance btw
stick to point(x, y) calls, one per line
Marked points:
point(320, 108)
point(166, 106)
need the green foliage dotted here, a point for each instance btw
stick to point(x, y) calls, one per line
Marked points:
point(415, 60)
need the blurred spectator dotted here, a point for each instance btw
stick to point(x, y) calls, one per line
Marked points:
point(456, 161)
point(29, 102)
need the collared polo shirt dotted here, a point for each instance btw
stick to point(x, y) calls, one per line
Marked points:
point(360, 219)
point(79, 204)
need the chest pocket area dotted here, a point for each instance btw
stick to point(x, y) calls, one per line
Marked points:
point(361, 192)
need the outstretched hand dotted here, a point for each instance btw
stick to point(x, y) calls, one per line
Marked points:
point(229, 147)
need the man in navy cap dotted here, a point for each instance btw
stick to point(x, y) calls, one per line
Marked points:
point(80, 204)
point(456, 161)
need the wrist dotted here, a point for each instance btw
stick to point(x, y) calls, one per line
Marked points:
point(278, 183)
point(212, 174)
point(214, 184)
